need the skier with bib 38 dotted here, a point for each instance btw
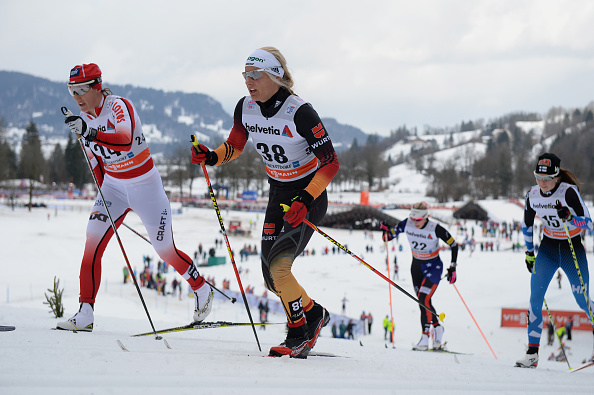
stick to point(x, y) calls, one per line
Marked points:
point(300, 161)
point(110, 129)
point(558, 203)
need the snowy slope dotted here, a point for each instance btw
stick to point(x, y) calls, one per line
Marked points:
point(36, 247)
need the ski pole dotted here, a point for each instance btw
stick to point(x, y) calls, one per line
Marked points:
point(390, 292)
point(555, 329)
point(476, 323)
point(233, 300)
point(222, 225)
point(440, 316)
point(67, 112)
point(579, 272)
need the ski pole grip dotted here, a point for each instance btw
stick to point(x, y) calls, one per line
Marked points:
point(285, 207)
point(195, 142)
point(196, 145)
point(66, 111)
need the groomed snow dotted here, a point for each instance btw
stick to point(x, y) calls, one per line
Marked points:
point(48, 242)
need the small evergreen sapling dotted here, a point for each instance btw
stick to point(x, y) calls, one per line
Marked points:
point(55, 301)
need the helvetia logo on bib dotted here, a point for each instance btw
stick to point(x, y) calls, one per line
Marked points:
point(287, 132)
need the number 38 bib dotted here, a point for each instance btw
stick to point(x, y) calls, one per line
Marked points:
point(285, 152)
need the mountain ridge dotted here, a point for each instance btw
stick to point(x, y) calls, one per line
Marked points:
point(169, 117)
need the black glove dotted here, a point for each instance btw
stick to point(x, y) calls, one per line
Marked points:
point(530, 258)
point(79, 127)
point(563, 212)
point(451, 276)
point(388, 233)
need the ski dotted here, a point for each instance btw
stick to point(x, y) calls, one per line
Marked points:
point(6, 328)
point(442, 350)
point(311, 354)
point(447, 352)
point(204, 325)
point(122, 346)
point(583, 366)
point(325, 354)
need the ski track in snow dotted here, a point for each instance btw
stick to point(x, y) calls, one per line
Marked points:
point(38, 360)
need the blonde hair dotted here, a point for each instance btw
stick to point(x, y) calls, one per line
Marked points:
point(287, 81)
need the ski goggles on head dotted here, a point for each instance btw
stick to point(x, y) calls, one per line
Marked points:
point(418, 214)
point(81, 89)
point(545, 177)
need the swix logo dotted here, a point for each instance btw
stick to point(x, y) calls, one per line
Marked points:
point(99, 202)
point(98, 215)
point(119, 113)
point(268, 228)
point(287, 132)
point(262, 129)
point(544, 162)
point(318, 131)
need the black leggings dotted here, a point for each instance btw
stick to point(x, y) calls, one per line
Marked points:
point(279, 236)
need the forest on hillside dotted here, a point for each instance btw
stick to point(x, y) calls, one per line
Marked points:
point(504, 171)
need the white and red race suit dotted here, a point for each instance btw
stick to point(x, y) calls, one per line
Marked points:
point(124, 167)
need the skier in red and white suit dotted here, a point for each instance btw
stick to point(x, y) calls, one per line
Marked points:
point(111, 131)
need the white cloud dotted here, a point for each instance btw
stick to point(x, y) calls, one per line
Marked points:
point(375, 65)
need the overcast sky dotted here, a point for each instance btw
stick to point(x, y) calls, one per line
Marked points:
point(372, 64)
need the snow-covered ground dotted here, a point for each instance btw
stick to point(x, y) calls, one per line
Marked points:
point(48, 242)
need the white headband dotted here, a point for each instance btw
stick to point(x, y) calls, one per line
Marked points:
point(265, 60)
point(417, 213)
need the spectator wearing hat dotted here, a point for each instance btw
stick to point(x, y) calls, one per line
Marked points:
point(110, 131)
point(426, 268)
point(557, 201)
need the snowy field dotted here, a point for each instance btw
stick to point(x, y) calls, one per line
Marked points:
point(48, 242)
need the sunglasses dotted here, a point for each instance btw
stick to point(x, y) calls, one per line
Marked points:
point(547, 177)
point(417, 219)
point(253, 74)
point(81, 89)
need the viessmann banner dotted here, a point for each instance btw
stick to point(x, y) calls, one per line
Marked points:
point(519, 318)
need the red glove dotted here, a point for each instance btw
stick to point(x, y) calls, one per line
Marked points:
point(203, 154)
point(298, 210)
point(387, 233)
point(451, 277)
